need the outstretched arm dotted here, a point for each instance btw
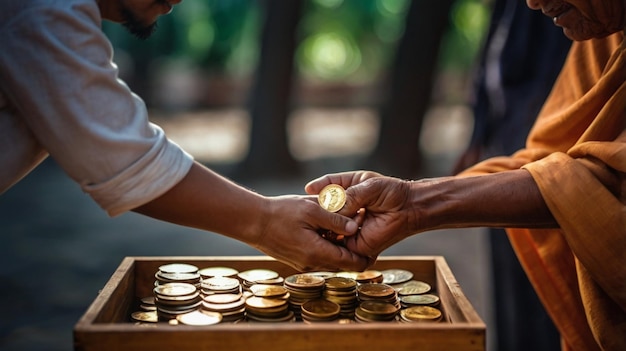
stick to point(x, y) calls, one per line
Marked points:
point(396, 209)
point(284, 227)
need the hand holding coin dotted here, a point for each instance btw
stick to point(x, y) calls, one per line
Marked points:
point(332, 198)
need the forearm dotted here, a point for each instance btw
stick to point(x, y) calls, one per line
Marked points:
point(205, 200)
point(505, 199)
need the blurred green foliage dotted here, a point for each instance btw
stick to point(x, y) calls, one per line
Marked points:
point(339, 40)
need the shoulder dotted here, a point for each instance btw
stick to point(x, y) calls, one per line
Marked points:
point(41, 12)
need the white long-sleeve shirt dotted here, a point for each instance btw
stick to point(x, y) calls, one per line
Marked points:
point(60, 95)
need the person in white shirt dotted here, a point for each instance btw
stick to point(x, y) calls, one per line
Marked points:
point(60, 95)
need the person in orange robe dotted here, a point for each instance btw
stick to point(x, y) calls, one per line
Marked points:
point(562, 198)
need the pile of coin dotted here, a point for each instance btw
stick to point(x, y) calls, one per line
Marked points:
point(176, 290)
point(413, 296)
point(231, 306)
point(320, 310)
point(375, 311)
point(147, 311)
point(269, 303)
point(303, 288)
point(378, 302)
point(223, 294)
point(343, 292)
point(173, 299)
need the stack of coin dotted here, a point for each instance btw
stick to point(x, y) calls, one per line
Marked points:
point(386, 301)
point(375, 311)
point(302, 288)
point(342, 291)
point(147, 311)
point(269, 309)
point(173, 299)
point(230, 305)
point(320, 310)
point(177, 273)
point(147, 304)
point(420, 314)
point(378, 292)
point(259, 276)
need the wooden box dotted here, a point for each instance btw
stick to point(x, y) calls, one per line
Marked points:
point(106, 325)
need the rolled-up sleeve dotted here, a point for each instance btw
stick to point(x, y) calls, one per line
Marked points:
point(57, 72)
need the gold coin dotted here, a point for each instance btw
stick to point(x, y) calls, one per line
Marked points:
point(332, 197)
point(378, 307)
point(370, 276)
point(340, 283)
point(321, 309)
point(375, 290)
point(145, 316)
point(200, 318)
point(420, 314)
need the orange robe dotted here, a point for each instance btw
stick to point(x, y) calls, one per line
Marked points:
point(579, 270)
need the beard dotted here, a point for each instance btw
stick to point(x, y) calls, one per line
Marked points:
point(135, 26)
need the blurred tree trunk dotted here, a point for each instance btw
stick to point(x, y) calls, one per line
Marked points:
point(397, 152)
point(270, 98)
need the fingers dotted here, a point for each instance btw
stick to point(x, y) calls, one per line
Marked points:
point(316, 185)
point(337, 223)
point(345, 179)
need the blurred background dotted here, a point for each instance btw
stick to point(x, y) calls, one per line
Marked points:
point(271, 94)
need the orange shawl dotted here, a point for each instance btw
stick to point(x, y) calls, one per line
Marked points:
point(579, 270)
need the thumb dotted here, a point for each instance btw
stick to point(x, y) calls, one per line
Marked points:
point(339, 224)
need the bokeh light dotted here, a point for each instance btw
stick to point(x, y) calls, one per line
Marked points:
point(330, 55)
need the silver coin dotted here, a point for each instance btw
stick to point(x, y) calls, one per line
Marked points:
point(396, 276)
point(178, 268)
